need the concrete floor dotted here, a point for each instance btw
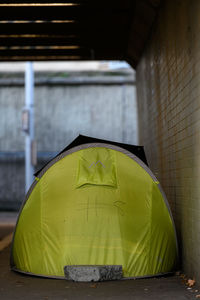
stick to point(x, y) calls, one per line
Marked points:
point(16, 286)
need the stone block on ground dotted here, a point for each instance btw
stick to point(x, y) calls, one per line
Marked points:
point(87, 273)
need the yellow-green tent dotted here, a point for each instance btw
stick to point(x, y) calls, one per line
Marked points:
point(95, 204)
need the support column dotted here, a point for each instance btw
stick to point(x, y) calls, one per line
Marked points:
point(29, 140)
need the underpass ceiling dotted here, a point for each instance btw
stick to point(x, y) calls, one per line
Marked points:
point(75, 30)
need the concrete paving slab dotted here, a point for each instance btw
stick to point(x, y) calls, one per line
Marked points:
point(14, 286)
point(6, 241)
point(7, 223)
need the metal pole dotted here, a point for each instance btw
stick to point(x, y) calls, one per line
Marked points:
point(136, 120)
point(29, 106)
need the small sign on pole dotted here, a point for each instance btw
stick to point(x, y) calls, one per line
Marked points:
point(25, 120)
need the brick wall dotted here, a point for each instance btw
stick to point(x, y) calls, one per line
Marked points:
point(168, 89)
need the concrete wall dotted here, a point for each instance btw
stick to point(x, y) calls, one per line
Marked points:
point(99, 111)
point(168, 90)
point(100, 107)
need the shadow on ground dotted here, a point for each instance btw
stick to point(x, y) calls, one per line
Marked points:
point(16, 286)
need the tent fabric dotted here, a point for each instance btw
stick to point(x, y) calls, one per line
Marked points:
point(83, 139)
point(95, 204)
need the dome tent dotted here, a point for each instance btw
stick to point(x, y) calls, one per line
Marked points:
point(95, 203)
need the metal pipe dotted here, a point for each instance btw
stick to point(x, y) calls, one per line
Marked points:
point(29, 106)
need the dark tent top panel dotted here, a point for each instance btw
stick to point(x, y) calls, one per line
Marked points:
point(81, 139)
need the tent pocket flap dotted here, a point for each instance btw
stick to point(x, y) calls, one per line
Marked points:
point(96, 166)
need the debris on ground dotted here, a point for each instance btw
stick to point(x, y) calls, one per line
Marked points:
point(190, 282)
point(94, 286)
point(187, 281)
